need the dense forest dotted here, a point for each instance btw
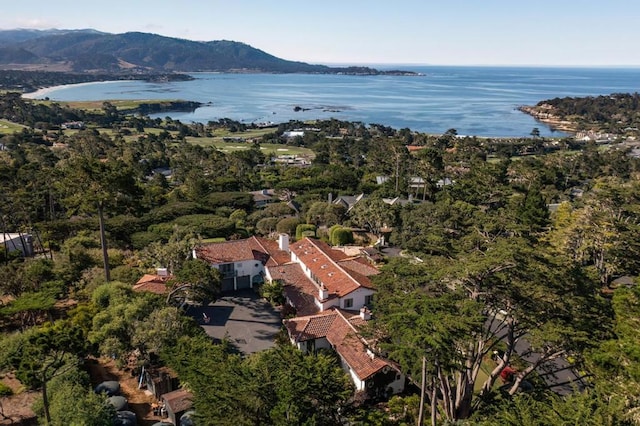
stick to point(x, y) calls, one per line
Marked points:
point(505, 243)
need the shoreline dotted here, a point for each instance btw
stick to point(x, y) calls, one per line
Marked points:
point(44, 91)
point(543, 114)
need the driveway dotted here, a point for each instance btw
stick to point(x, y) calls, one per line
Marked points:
point(243, 318)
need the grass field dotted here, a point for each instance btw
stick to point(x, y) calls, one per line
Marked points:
point(121, 105)
point(7, 127)
point(267, 148)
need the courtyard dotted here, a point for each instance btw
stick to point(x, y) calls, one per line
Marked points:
point(243, 318)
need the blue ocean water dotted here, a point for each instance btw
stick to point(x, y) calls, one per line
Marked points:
point(478, 101)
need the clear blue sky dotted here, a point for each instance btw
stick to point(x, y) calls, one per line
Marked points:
point(439, 32)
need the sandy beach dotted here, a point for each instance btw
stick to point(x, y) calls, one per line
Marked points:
point(45, 91)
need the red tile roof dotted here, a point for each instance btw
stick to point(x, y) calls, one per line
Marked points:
point(325, 265)
point(153, 284)
point(310, 327)
point(254, 248)
point(340, 329)
point(299, 289)
point(360, 266)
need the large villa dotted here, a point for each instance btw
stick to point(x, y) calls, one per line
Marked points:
point(329, 291)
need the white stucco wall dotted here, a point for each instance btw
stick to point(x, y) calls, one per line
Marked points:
point(358, 297)
point(248, 267)
point(321, 343)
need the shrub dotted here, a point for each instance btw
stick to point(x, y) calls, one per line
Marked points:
point(341, 237)
point(288, 225)
point(5, 390)
point(305, 230)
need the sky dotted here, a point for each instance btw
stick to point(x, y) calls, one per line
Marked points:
point(433, 32)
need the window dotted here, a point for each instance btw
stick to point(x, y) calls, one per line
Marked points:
point(368, 300)
point(227, 270)
point(348, 303)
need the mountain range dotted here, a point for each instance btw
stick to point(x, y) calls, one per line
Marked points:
point(91, 51)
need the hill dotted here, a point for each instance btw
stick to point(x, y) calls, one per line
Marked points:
point(95, 52)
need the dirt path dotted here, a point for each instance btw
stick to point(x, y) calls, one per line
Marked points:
point(139, 400)
point(16, 409)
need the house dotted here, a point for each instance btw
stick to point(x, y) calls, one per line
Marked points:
point(263, 197)
point(14, 242)
point(348, 201)
point(337, 330)
point(332, 278)
point(316, 277)
point(290, 134)
point(154, 283)
point(397, 201)
point(242, 262)
point(372, 254)
point(176, 403)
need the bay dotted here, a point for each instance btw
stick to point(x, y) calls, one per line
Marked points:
point(478, 101)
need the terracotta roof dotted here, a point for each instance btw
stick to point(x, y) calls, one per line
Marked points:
point(299, 289)
point(414, 148)
point(360, 266)
point(340, 329)
point(325, 265)
point(343, 336)
point(254, 248)
point(310, 327)
point(178, 400)
point(153, 284)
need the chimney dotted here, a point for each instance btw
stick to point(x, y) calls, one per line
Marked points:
point(365, 313)
point(283, 242)
point(162, 272)
point(324, 293)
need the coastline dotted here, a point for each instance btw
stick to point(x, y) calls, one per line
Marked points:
point(543, 113)
point(43, 92)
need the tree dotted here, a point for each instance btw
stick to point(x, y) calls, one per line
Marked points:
point(534, 213)
point(92, 185)
point(41, 354)
point(615, 362)
point(195, 282)
point(299, 388)
point(74, 402)
point(288, 226)
point(535, 133)
point(161, 328)
point(373, 214)
point(458, 312)
point(280, 386)
point(172, 253)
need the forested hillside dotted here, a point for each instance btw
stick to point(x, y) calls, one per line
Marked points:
point(511, 264)
point(96, 52)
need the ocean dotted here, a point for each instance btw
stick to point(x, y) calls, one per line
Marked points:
point(479, 101)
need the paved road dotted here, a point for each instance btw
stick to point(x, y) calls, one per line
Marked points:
point(247, 321)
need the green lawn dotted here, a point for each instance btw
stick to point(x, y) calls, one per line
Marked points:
point(121, 105)
point(7, 127)
point(267, 148)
